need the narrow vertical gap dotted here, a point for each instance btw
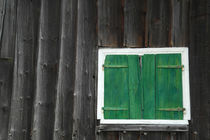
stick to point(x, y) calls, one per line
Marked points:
point(145, 35)
point(122, 24)
point(146, 26)
point(142, 88)
point(170, 39)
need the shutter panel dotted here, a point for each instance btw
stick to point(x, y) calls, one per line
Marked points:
point(148, 88)
point(116, 96)
point(134, 87)
point(169, 86)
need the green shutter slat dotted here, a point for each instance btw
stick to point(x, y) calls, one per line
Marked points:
point(170, 66)
point(116, 87)
point(148, 88)
point(134, 86)
point(168, 87)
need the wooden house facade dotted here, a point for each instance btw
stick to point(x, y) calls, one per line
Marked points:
point(49, 57)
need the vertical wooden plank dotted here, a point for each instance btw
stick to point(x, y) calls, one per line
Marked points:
point(116, 88)
point(36, 6)
point(135, 98)
point(65, 88)
point(5, 95)
point(159, 23)
point(152, 136)
point(8, 31)
point(180, 23)
point(199, 69)
point(130, 136)
point(148, 88)
point(134, 23)
point(84, 93)
point(47, 67)
point(182, 135)
point(108, 136)
point(168, 86)
point(2, 17)
point(23, 83)
point(110, 23)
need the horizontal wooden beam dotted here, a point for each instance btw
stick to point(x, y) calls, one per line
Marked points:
point(125, 128)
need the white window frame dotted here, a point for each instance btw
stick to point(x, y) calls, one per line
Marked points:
point(141, 51)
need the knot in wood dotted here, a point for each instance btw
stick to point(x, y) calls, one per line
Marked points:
point(26, 72)
point(4, 108)
point(74, 134)
point(89, 95)
point(44, 65)
point(39, 103)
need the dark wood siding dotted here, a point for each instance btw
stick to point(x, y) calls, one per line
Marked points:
point(48, 62)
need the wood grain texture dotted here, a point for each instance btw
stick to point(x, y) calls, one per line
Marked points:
point(35, 17)
point(130, 128)
point(47, 68)
point(114, 23)
point(148, 86)
point(2, 16)
point(84, 117)
point(134, 23)
point(134, 92)
point(108, 136)
point(8, 31)
point(180, 23)
point(23, 83)
point(199, 65)
point(158, 23)
point(5, 95)
point(168, 87)
point(130, 136)
point(110, 23)
point(116, 88)
point(65, 88)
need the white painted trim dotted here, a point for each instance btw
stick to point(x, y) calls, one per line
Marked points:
point(161, 122)
point(141, 51)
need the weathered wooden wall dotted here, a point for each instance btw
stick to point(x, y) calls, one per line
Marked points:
point(48, 57)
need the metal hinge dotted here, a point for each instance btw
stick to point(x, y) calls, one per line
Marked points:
point(171, 109)
point(171, 67)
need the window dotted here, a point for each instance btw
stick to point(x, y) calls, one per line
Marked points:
point(143, 86)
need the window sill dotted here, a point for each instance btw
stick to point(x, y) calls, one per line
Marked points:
point(144, 121)
point(142, 127)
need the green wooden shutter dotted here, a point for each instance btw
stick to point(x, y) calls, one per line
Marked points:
point(134, 87)
point(169, 86)
point(156, 95)
point(121, 87)
point(116, 96)
point(148, 88)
